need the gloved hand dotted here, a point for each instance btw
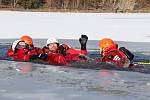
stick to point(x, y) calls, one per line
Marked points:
point(62, 49)
point(43, 56)
point(83, 40)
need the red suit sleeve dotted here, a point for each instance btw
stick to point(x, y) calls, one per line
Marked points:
point(117, 57)
point(38, 50)
point(21, 54)
point(56, 59)
point(74, 51)
point(10, 53)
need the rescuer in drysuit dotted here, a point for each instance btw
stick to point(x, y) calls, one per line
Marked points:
point(111, 54)
point(62, 53)
point(19, 51)
point(24, 50)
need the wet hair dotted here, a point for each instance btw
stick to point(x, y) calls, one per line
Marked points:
point(19, 46)
point(57, 44)
point(15, 51)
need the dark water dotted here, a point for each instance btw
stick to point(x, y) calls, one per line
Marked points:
point(30, 81)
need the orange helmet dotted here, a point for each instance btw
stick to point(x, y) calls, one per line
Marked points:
point(106, 42)
point(27, 40)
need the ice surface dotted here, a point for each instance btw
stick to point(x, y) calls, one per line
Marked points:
point(120, 27)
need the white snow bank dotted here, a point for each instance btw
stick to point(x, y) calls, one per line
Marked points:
point(120, 27)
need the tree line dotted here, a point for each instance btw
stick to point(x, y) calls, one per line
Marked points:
point(75, 4)
point(26, 4)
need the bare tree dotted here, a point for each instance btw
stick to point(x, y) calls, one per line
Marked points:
point(14, 3)
point(126, 5)
point(50, 3)
point(66, 4)
point(0, 2)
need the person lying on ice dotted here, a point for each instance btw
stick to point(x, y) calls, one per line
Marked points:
point(65, 53)
point(111, 54)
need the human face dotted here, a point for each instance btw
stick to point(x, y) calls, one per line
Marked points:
point(52, 46)
point(21, 44)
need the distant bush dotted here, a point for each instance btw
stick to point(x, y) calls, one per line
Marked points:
point(31, 4)
point(6, 2)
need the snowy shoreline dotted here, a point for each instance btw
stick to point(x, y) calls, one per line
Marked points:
point(131, 27)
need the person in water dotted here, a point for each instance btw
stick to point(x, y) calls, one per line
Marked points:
point(24, 50)
point(110, 53)
point(29, 42)
point(19, 51)
point(65, 52)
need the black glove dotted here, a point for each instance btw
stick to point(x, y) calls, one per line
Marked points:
point(42, 56)
point(62, 50)
point(83, 41)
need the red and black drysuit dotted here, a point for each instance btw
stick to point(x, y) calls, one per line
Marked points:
point(64, 54)
point(120, 57)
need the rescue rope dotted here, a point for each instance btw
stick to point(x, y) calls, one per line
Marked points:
point(143, 63)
